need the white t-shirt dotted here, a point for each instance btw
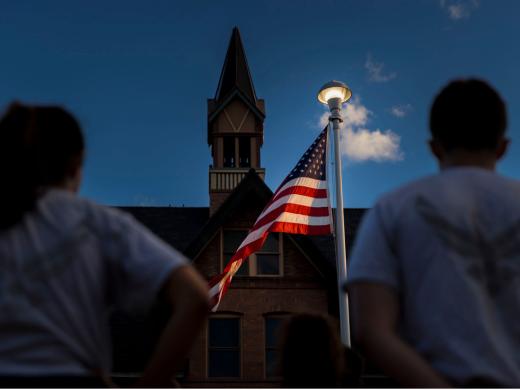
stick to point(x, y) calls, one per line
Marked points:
point(450, 245)
point(62, 268)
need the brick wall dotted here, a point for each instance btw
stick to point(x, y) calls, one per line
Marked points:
point(302, 288)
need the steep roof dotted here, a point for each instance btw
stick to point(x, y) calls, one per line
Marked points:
point(235, 82)
point(251, 188)
point(189, 228)
point(235, 72)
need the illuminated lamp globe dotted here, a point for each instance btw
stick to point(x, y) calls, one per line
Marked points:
point(334, 90)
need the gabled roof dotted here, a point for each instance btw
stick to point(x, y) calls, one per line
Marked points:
point(239, 94)
point(188, 229)
point(235, 72)
point(253, 189)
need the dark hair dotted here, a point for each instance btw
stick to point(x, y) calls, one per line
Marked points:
point(468, 114)
point(39, 147)
point(311, 352)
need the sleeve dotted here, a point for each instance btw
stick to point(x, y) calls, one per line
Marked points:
point(373, 257)
point(140, 262)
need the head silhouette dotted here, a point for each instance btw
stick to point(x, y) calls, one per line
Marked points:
point(41, 146)
point(468, 118)
point(311, 352)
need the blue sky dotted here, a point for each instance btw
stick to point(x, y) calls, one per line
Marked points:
point(137, 75)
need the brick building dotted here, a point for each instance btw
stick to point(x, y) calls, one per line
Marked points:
point(290, 274)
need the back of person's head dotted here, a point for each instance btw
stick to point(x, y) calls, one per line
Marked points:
point(468, 114)
point(311, 352)
point(40, 146)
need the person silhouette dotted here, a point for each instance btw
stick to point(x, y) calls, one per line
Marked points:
point(434, 272)
point(311, 353)
point(65, 261)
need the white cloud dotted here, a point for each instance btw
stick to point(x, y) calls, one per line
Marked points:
point(459, 9)
point(401, 110)
point(356, 114)
point(363, 144)
point(376, 71)
point(358, 143)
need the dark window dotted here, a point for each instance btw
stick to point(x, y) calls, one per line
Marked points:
point(224, 347)
point(232, 240)
point(268, 258)
point(229, 152)
point(267, 264)
point(244, 150)
point(272, 328)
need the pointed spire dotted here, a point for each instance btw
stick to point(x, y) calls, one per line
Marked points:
point(235, 72)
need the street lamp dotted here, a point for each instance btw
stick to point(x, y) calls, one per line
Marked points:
point(334, 90)
point(334, 94)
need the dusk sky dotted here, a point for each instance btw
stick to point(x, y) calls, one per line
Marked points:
point(137, 75)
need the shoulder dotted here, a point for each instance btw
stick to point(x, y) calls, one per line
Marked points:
point(400, 198)
point(508, 183)
point(66, 209)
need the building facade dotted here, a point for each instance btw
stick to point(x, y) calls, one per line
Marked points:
point(290, 274)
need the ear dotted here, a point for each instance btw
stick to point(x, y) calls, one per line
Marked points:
point(501, 150)
point(75, 173)
point(437, 149)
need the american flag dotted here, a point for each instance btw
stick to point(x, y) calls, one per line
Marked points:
point(299, 206)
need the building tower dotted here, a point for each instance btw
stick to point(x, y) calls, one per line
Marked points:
point(235, 125)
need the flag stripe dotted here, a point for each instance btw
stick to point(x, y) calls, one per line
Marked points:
point(302, 190)
point(285, 217)
point(292, 208)
point(301, 200)
point(303, 182)
point(294, 228)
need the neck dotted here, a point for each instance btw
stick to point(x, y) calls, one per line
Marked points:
point(67, 185)
point(463, 158)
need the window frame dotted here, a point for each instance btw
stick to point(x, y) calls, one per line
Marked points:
point(251, 262)
point(237, 316)
point(223, 257)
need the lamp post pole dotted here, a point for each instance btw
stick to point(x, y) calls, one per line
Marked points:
point(334, 94)
point(341, 258)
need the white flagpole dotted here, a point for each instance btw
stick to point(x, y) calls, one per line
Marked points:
point(341, 258)
point(334, 94)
